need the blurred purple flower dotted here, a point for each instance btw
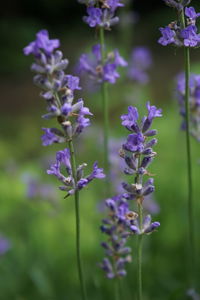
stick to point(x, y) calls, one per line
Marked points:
point(194, 102)
point(5, 245)
point(118, 254)
point(140, 63)
point(96, 70)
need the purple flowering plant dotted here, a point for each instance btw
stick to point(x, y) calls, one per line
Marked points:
point(99, 70)
point(101, 66)
point(58, 91)
point(184, 33)
point(181, 33)
point(140, 63)
point(194, 103)
point(101, 13)
point(122, 222)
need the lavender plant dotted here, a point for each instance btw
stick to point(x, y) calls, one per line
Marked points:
point(122, 222)
point(117, 167)
point(184, 33)
point(194, 103)
point(58, 91)
point(101, 16)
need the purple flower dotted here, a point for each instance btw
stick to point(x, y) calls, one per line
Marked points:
point(82, 122)
point(194, 102)
point(121, 222)
point(130, 120)
point(110, 73)
point(135, 143)
point(96, 173)
point(63, 159)
point(5, 245)
point(102, 13)
point(168, 36)
point(42, 42)
point(114, 4)
point(149, 227)
point(57, 90)
point(73, 82)
point(153, 112)
point(116, 229)
point(191, 13)
point(94, 16)
point(99, 71)
point(49, 137)
point(176, 34)
point(190, 36)
point(119, 60)
point(140, 62)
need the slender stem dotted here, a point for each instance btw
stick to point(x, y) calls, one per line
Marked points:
point(140, 254)
point(104, 92)
point(138, 180)
point(189, 160)
point(117, 289)
point(76, 198)
point(189, 164)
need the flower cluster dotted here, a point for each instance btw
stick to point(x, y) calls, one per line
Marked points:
point(98, 70)
point(175, 34)
point(115, 227)
point(69, 184)
point(57, 89)
point(137, 153)
point(101, 13)
point(194, 102)
point(140, 63)
point(122, 222)
point(117, 166)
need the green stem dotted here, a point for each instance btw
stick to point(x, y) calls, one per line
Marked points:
point(140, 253)
point(104, 92)
point(76, 198)
point(189, 164)
point(117, 289)
point(189, 160)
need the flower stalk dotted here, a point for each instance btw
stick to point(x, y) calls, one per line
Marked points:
point(184, 33)
point(105, 104)
point(189, 159)
point(77, 216)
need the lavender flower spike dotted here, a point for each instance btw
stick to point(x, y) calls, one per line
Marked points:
point(101, 13)
point(177, 34)
point(58, 90)
point(100, 71)
point(194, 103)
point(122, 223)
point(118, 254)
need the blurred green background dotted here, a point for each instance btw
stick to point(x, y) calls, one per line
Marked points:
point(41, 262)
